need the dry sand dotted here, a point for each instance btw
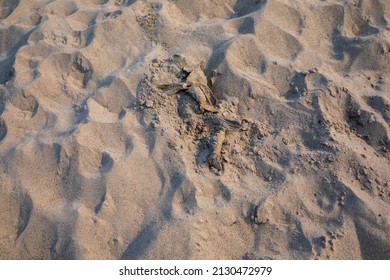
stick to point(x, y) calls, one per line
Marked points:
point(101, 159)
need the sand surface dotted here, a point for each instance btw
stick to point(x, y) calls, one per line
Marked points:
point(179, 129)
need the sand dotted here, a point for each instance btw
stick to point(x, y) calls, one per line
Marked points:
point(277, 149)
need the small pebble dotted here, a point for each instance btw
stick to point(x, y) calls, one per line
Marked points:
point(149, 104)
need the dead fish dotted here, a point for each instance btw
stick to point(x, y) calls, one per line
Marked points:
point(195, 84)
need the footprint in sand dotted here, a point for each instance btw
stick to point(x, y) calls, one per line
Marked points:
point(3, 130)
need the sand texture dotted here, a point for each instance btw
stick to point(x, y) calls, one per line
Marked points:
point(179, 129)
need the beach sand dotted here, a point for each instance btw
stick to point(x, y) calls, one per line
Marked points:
point(178, 129)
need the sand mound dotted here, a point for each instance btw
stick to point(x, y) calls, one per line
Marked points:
point(194, 129)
